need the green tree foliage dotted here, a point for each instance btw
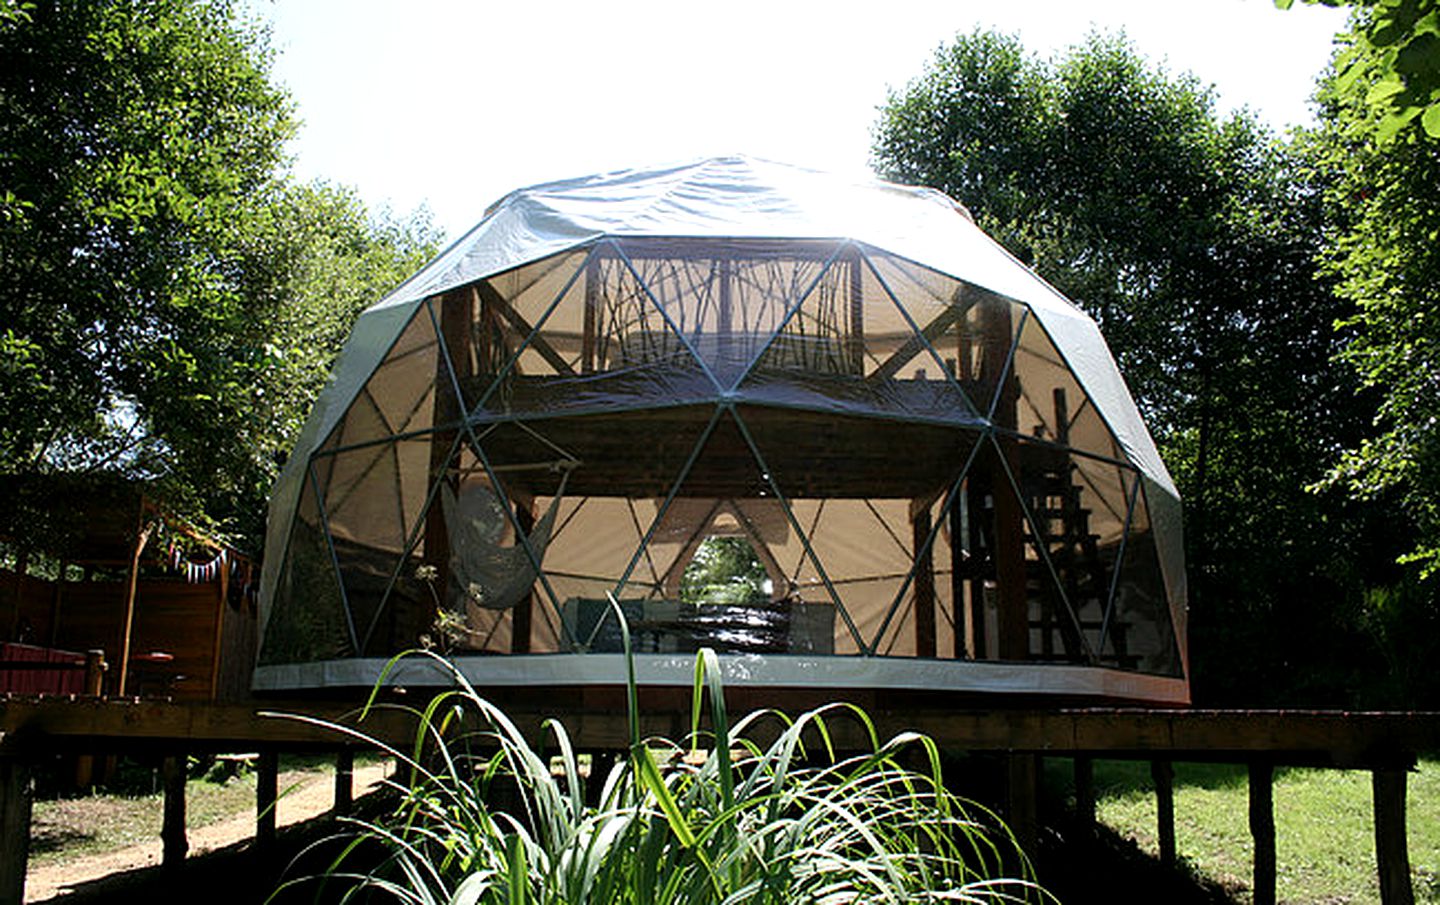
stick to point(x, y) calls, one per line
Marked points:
point(1394, 52)
point(1385, 217)
point(724, 570)
point(1192, 238)
point(171, 299)
point(1382, 188)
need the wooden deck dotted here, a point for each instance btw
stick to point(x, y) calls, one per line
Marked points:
point(1385, 743)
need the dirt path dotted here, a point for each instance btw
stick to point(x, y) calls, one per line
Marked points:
point(310, 800)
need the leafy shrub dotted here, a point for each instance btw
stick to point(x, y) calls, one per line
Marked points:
point(718, 817)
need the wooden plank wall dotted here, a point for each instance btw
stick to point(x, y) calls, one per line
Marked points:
point(26, 604)
point(212, 642)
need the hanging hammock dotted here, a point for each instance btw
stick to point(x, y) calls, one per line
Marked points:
point(490, 575)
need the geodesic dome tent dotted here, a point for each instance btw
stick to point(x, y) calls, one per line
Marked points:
point(928, 452)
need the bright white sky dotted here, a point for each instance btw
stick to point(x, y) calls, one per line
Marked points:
point(451, 104)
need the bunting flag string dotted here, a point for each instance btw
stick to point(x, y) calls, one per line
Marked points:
point(196, 573)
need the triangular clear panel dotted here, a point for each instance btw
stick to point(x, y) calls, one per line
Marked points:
point(849, 348)
point(493, 327)
point(400, 395)
point(968, 330)
point(620, 468)
point(307, 619)
point(725, 496)
point(497, 530)
point(727, 297)
point(925, 621)
point(592, 541)
point(373, 519)
point(1049, 403)
point(629, 355)
point(1140, 633)
point(852, 496)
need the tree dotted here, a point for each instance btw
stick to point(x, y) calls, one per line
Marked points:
point(1382, 194)
point(724, 570)
point(1394, 51)
point(159, 267)
point(1192, 239)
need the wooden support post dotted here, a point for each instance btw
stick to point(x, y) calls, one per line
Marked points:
point(267, 779)
point(1163, 773)
point(591, 324)
point(1020, 804)
point(1009, 537)
point(522, 613)
point(1085, 796)
point(601, 763)
point(127, 625)
point(172, 828)
point(1010, 580)
point(1262, 830)
point(963, 645)
point(94, 687)
point(222, 592)
point(14, 828)
point(1392, 855)
point(980, 553)
point(924, 584)
point(344, 782)
point(95, 667)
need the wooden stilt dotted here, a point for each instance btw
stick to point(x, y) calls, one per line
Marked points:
point(1163, 774)
point(14, 828)
point(1021, 800)
point(94, 687)
point(267, 778)
point(1085, 796)
point(344, 781)
point(172, 829)
point(601, 763)
point(1262, 830)
point(1392, 855)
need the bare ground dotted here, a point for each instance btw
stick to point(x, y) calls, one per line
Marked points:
point(56, 881)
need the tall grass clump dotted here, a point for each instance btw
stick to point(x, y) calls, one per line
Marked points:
point(718, 817)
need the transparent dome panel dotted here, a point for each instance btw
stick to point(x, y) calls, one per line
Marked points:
point(849, 347)
point(400, 396)
point(922, 620)
point(1140, 633)
point(308, 620)
point(1049, 403)
point(965, 330)
point(727, 297)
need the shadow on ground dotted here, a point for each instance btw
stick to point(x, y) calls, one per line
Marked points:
point(235, 875)
point(1109, 868)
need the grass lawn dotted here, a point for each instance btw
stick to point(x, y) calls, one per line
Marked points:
point(71, 827)
point(1324, 833)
